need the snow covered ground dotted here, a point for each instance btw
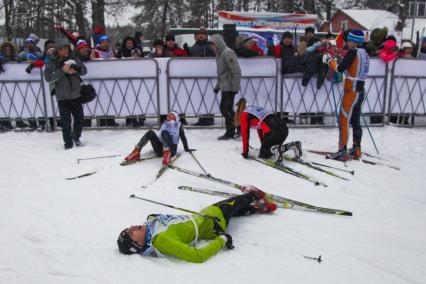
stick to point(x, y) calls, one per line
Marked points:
point(54, 230)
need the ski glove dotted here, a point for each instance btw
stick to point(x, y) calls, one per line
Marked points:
point(245, 155)
point(228, 240)
point(190, 150)
point(216, 90)
point(29, 68)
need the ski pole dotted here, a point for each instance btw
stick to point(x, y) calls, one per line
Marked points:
point(369, 132)
point(327, 166)
point(314, 258)
point(95, 158)
point(199, 164)
point(335, 104)
point(175, 207)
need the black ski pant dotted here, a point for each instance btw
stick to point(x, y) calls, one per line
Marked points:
point(158, 147)
point(277, 135)
point(67, 109)
point(227, 110)
point(239, 205)
point(355, 120)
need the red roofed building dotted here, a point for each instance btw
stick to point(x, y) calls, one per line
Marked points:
point(365, 20)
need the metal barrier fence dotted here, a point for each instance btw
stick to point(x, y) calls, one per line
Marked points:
point(148, 87)
point(407, 95)
point(125, 88)
point(300, 103)
point(191, 82)
point(22, 95)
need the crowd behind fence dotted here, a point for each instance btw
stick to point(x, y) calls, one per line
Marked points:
point(148, 88)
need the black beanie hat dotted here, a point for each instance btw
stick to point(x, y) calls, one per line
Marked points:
point(126, 245)
point(309, 30)
point(158, 42)
point(170, 37)
point(287, 34)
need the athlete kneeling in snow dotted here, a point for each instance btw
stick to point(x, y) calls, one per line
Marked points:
point(176, 235)
point(271, 129)
point(165, 142)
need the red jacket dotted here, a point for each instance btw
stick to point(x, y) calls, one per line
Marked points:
point(387, 53)
point(174, 52)
point(258, 50)
point(248, 121)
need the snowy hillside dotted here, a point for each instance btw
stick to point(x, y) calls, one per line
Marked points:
point(54, 230)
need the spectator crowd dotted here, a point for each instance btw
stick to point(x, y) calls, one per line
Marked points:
point(298, 54)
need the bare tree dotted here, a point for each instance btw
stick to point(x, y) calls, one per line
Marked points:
point(7, 6)
point(98, 13)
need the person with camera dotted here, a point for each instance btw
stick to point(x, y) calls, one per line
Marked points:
point(228, 82)
point(63, 75)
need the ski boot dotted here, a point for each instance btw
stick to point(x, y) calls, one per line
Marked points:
point(250, 188)
point(229, 134)
point(135, 155)
point(341, 155)
point(295, 146)
point(279, 150)
point(265, 153)
point(78, 143)
point(355, 152)
point(166, 156)
point(264, 206)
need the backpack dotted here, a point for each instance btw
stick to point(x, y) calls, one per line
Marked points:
point(88, 93)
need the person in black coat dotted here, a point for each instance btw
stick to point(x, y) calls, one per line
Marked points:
point(290, 62)
point(129, 49)
point(201, 48)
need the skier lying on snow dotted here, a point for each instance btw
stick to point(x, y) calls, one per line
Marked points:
point(165, 142)
point(271, 129)
point(176, 235)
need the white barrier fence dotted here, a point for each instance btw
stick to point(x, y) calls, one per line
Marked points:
point(151, 87)
point(408, 87)
point(191, 83)
point(299, 99)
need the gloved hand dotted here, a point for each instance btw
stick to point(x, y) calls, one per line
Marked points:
point(216, 90)
point(1, 68)
point(326, 58)
point(29, 68)
point(190, 150)
point(245, 155)
point(38, 63)
point(228, 240)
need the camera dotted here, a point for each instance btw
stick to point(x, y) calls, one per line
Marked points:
point(76, 67)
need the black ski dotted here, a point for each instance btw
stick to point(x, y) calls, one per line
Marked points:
point(126, 163)
point(287, 169)
point(286, 203)
point(281, 202)
point(81, 176)
point(164, 168)
point(312, 166)
point(326, 153)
